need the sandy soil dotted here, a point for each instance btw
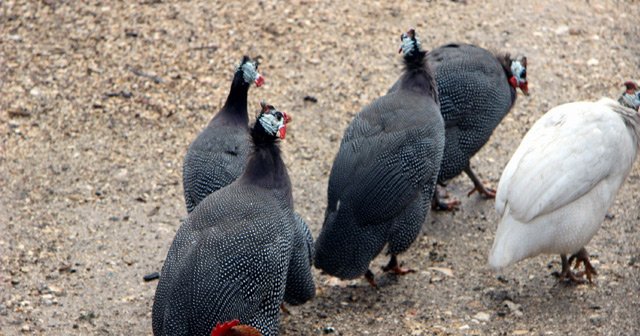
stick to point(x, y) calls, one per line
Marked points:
point(101, 99)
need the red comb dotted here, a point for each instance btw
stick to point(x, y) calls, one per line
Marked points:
point(222, 328)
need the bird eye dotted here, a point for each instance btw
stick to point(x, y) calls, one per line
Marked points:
point(279, 116)
point(523, 74)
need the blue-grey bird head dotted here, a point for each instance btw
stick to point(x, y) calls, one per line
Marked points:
point(410, 44)
point(519, 74)
point(631, 96)
point(270, 125)
point(248, 68)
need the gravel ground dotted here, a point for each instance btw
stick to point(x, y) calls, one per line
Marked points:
point(101, 99)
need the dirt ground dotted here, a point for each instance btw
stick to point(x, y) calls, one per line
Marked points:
point(100, 99)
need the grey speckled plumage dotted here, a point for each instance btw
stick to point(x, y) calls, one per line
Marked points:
point(218, 155)
point(238, 255)
point(383, 176)
point(474, 97)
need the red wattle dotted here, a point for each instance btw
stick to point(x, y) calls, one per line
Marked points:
point(513, 81)
point(282, 132)
point(259, 80)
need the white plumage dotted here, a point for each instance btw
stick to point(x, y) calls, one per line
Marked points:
point(556, 189)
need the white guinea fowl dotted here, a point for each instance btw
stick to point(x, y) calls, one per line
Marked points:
point(556, 189)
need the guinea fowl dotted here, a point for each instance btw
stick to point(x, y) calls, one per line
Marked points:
point(242, 251)
point(477, 89)
point(558, 185)
point(384, 174)
point(218, 155)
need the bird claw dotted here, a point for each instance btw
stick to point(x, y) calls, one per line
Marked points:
point(446, 206)
point(482, 190)
point(370, 279)
point(394, 267)
point(397, 270)
point(582, 257)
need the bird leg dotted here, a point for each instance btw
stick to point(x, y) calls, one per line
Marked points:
point(371, 279)
point(583, 257)
point(394, 267)
point(566, 273)
point(284, 309)
point(440, 205)
point(478, 186)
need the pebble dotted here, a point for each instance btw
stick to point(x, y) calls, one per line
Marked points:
point(562, 30)
point(328, 330)
point(25, 328)
point(596, 319)
point(57, 291)
point(593, 62)
point(482, 316)
point(513, 307)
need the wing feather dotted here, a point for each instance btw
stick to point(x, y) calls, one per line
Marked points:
point(561, 159)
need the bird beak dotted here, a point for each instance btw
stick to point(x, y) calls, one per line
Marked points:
point(525, 88)
point(259, 80)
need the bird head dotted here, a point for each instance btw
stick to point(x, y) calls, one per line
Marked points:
point(631, 96)
point(249, 69)
point(234, 328)
point(273, 122)
point(519, 74)
point(410, 44)
point(632, 87)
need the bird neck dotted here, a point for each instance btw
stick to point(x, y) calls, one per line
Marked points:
point(505, 61)
point(417, 75)
point(235, 108)
point(266, 168)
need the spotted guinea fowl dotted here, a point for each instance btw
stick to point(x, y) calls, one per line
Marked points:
point(384, 174)
point(218, 155)
point(559, 183)
point(477, 89)
point(241, 251)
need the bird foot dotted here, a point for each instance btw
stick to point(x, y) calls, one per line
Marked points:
point(397, 270)
point(439, 205)
point(589, 270)
point(569, 277)
point(582, 257)
point(370, 279)
point(394, 267)
point(482, 190)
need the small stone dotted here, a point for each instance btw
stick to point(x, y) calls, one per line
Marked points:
point(25, 328)
point(592, 62)
point(15, 281)
point(328, 330)
point(513, 307)
point(482, 316)
point(520, 332)
point(575, 31)
point(562, 30)
point(57, 291)
point(35, 92)
point(596, 319)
